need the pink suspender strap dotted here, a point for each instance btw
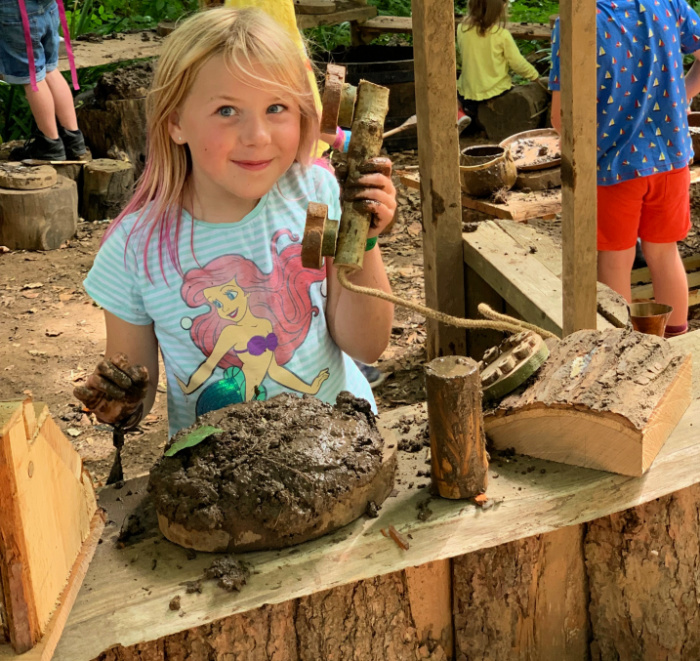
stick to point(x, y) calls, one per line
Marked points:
point(30, 48)
point(28, 43)
point(69, 48)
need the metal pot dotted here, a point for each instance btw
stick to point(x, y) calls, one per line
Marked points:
point(486, 169)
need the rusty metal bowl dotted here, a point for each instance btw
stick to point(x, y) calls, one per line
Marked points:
point(486, 169)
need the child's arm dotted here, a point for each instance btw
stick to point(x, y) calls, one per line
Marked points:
point(515, 59)
point(115, 399)
point(692, 78)
point(359, 324)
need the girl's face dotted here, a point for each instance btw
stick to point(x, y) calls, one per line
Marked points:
point(242, 139)
point(228, 300)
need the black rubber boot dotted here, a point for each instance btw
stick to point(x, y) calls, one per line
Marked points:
point(74, 144)
point(40, 148)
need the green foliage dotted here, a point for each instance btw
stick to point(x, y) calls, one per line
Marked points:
point(105, 16)
point(532, 11)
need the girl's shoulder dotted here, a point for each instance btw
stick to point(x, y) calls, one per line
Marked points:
point(308, 182)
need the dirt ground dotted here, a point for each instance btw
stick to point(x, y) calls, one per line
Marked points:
point(53, 335)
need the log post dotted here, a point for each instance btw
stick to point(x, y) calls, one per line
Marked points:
point(457, 442)
point(107, 187)
point(366, 142)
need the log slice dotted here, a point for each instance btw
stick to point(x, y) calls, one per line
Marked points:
point(22, 177)
point(279, 472)
point(605, 400)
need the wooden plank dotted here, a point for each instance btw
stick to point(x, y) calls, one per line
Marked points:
point(578, 170)
point(346, 11)
point(404, 25)
point(643, 275)
point(647, 290)
point(45, 648)
point(518, 276)
point(127, 591)
point(438, 156)
point(126, 47)
point(47, 509)
point(518, 206)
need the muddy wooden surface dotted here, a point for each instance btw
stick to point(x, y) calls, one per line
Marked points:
point(527, 497)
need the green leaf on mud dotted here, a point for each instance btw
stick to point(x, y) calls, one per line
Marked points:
point(193, 438)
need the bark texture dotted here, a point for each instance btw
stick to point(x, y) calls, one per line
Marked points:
point(364, 621)
point(643, 566)
point(522, 601)
point(107, 187)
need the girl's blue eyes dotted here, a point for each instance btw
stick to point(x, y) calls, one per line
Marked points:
point(231, 294)
point(217, 304)
point(230, 111)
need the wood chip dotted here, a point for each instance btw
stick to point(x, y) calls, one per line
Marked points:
point(400, 539)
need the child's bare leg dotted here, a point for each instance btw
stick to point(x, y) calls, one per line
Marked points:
point(614, 268)
point(669, 279)
point(43, 108)
point(63, 100)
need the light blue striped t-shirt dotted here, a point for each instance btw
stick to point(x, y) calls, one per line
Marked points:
point(246, 320)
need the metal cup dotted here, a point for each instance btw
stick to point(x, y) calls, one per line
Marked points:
point(650, 318)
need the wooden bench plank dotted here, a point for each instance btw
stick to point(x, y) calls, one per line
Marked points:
point(518, 276)
point(347, 11)
point(404, 25)
point(126, 593)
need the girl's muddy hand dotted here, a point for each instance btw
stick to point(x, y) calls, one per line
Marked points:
point(374, 191)
point(114, 392)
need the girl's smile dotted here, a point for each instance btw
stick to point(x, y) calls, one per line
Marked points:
point(242, 135)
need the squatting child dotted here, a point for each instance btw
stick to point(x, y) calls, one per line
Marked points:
point(487, 53)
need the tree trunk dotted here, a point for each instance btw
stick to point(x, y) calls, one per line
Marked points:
point(39, 219)
point(522, 601)
point(365, 621)
point(605, 400)
point(644, 582)
point(107, 187)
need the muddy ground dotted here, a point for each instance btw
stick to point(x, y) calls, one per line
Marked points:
point(53, 335)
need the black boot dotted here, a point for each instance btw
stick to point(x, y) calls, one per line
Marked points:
point(74, 144)
point(39, 148)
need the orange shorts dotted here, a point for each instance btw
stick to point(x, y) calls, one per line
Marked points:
point(654, 208)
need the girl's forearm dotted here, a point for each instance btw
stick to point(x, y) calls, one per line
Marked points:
point(361, 325)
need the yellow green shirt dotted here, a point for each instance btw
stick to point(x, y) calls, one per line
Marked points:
point(486, 62)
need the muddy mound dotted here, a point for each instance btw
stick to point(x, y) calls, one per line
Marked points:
point(130, 82)
point(271, 474)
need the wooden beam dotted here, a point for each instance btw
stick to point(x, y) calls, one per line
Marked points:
point(438, 157)
point(577, 49)
point(346, 11)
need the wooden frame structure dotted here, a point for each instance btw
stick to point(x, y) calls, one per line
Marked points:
point(532, 576)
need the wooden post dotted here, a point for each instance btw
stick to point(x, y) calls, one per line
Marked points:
point(457, 443)
point(438, 154)
point(578, 172)
point(107, 187)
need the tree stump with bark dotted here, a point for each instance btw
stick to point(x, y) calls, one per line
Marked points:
point(39, 219)
point(605, 400)
point(459, 464)
point(107, 187)
point(114, 113)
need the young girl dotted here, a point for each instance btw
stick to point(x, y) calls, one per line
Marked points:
point(487, 53)
point(205, 262)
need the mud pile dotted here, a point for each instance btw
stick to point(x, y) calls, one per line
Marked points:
point(271, 474)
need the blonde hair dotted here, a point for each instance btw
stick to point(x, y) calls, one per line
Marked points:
point(249, 40)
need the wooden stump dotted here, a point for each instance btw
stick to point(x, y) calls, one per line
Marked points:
point(22, 177)
point(39, 219)
point(605, 400)
point(457, 445)
point(642, 567)
point(107, 187)
point(522, 601)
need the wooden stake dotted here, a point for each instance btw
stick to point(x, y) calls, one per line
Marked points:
point(366, 142)
point(578, 168)
point(457, 444)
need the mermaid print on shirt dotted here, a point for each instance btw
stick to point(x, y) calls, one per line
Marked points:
point(255, 323)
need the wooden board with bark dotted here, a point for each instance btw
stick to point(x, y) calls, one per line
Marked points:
point(603, 400)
